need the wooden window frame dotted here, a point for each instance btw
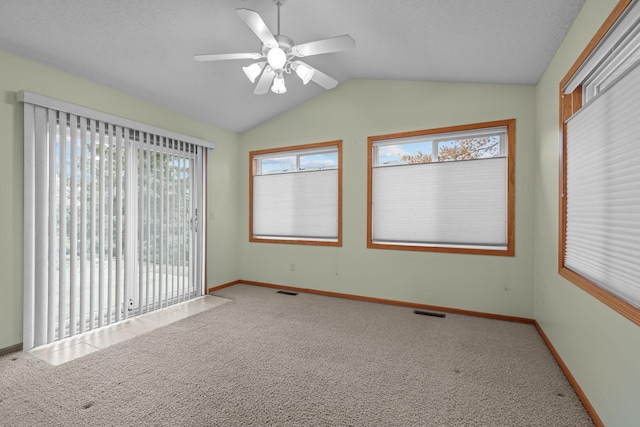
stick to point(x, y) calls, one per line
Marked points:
point(253, 166)
point(569, 105)
point(511, 137)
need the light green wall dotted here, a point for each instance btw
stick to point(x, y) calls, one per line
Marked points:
point(360, 108)
point(18, 74)
point(600, 347)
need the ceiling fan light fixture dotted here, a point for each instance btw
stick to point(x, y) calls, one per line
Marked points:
point(278, 85)
point(253, 71)
point(304, 72)
point(278, 55)
point(276, 58)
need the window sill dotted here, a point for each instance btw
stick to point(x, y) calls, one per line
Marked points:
point(473, 250)
point(294, 241)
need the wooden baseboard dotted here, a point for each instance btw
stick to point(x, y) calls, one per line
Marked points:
point(391, 302)
point(576, 387)
point(11, 349)
point(226, 285)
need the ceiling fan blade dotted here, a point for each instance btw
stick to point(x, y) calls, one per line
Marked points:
point(265, 81)
point(226, 56)
point(334, 44)
point(257, 25)
point(323, 80)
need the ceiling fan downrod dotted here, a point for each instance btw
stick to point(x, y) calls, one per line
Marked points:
point(278, 4)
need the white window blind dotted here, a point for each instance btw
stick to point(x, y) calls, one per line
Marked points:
point(297, 205)
point(111, 224)
point(444, 203)
point(603, 189)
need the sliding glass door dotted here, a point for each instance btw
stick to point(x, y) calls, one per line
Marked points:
point(111, 222)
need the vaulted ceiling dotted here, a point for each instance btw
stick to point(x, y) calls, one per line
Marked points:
point(146, 47)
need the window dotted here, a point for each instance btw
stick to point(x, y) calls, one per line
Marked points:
point(295, 194)
point(443, 190)
point(599, 244)
point(111, 219)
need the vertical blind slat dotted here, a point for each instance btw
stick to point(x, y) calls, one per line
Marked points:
point(102, 285)
point(52, 252)
point(148, 192)
point(119, 304)
point(92, 241)
point(155, 251)
point(169, 226)
point(188, 246)
point(83, 223)
point(73, 232)
point(163, 253)
point(40, 238)
point(174, 222)
point(183, 216)
point(141, 215)
point(199, 273)
point(110, 228)
point(62, 242)
point(29, 325)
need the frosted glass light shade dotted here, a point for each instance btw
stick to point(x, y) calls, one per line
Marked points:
point(277, 58)
point(304, 72)
point(278, 85)
point(253, 71)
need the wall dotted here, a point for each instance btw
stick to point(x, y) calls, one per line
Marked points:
point(21, 74)
point(360, 108)
point(600, 347)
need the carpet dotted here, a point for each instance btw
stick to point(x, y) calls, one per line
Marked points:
point(268, 359)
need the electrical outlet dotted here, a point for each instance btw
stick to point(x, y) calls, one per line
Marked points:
point(292, 267)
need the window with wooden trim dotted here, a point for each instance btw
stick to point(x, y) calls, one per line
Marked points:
point(295, 194)
point(599, 245)
point(443, 190)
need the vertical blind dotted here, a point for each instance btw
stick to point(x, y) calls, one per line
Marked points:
point(300, 205)
point(603, 189)
point(111, 226)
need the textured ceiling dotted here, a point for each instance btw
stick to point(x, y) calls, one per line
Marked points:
point(146, 47)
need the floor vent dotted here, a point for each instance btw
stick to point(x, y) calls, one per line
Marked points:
point(429, 313)
point(287, 293)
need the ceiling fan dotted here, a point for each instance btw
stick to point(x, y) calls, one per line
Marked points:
point(278, 56)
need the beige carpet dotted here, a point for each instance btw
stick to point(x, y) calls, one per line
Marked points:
point(267, 359)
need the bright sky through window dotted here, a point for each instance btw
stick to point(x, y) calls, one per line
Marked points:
point(316, 161)
point(423, 151)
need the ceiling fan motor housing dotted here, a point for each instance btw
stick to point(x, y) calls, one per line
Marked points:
point(285, 44)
